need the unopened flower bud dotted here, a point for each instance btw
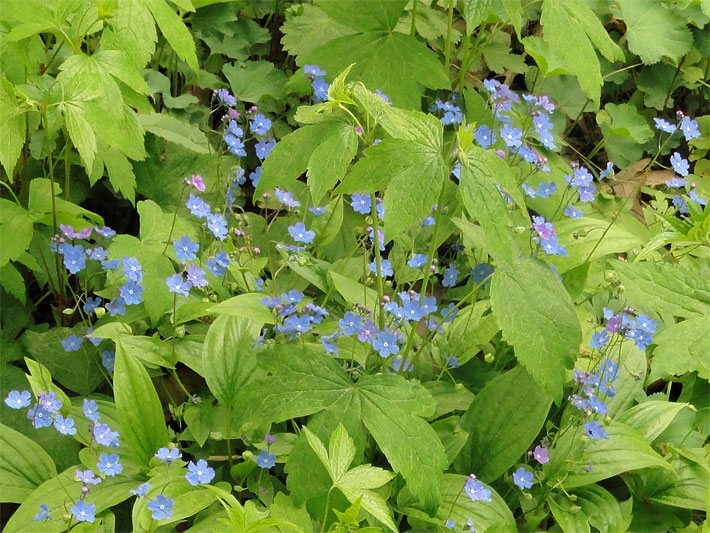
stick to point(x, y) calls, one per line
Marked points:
point(500, 153)
point(256, 250)
point(489, 358)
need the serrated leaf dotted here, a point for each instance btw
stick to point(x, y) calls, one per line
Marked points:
point(310, 30)
point(625, 450)
point(538, 319)
point(383, 61)
point(15, 221)
point(139, 410)
point(364, 15)
point(373, 503)
point(24, 465)
point(330, 160)
point(12, 282)
point(682, 348)
point(654, 32)
point(176, 131)
point(475, 12)
point(315, 443)
point(228, 356)
point(13, 119)
point(500, 431)
point(252, 80)
point(132, 30)
point(341, 450)
point(174, 31)
point(120, 173)
point(80, 132)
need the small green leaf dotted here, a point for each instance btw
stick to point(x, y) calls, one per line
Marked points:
point(315, 443)
point(139, 410)
point(246, 306)
point(330, 160)
point(683, 348)
point(600, 507)
point(15, 221)
point(538, 319)
point(176, 131)
point(13, 119)
point(24, 465)
point(341, 450)
point(81, 132)
point(475, 12)
point(174, 31)
point(499, 430)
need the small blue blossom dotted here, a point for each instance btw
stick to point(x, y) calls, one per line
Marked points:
point(385, 266)
point(664, 125)
point(91, 410)
point(607, 171)
point(233, 139)
point(18, 400)
point(428, 221)
point(572, 212)
point(72, 343)
point(177, 285)
point(91, 305)
point(82, 511)
point(65, 426)
point(108, 359)
point(109, 464)
point(198, 473)
point(545, 190)
point(225, 97)
point(40, 417)
point(690, 129)
point(260, 125)
point(485, 137)
point(350, 324)
point(43, 513)
point(266, 460)
point(680, 165)
point(292, 297)
point(185, 248)
point(676, 182)
point(49, 402)
point(196, 276)
point(132, 269)
point(98, 253)
point(218, 264)
point(87, 477)
point(481, 273)
point(397, 365)
point(161, 508)
point(168, 455)
point(313, 71)
point(286, 198)
point(263, 148)
point(594, 431)
point(255, 176)
point(599, 340)
point(105, 232)
point(299, 233)
point(74, 258)
point(418, 260)
point(198, 207)
point(385, 343)
point(141, 490)
point(476, 490)
point(320, 90)
point(512, 137)
point(361, 203)
point(523, 478)
point(451, 276)
point(327, 341)
point(104, 436)
point(697, 199)
point(132, 293)
point(317, 211)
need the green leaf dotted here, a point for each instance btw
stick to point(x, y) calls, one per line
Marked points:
point(315, 443)
point(538, 319)
point(664, 288)
point(625, 450)
point(228, 356)
point(566, 22)
point(246, 306)
point(364, 15)
point(567, 515)
point(120, 172)
point(475, 12)
point(682, 348)
point(499, 430)
point(330, 160)
point(654, 32)
point(310, 30)
point(15, 221)
point(352, 291)
point(24, 465)
point(600, 507)
point(303, 381)
point(80, 131)
point(13, 283)
point(651, 418)
point(174, 31)
point(384, 61)
point(152, 351)
point(175, 131)
point(14, 120)
point(685, 487)
point(139, 410)
point(341, 451)
point(131, 30)
point(59, 493)
point(292, 154)
point(252, 80)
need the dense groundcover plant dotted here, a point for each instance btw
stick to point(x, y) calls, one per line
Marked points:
point(354, 265)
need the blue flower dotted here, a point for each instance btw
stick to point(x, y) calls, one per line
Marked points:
point(110, 264)
point(72, 343)
point(361, 203)
point(676, 182)
point(43, 512)
point(255, 176)
point(286, 198)
point(168, 455)
point(132, 269)
point(185, 248)
point(260, 125)
point(481, 273)
point(65, 426)
point(317, 211)
point(350, 324)
point(18, 400)
point(594, 431)
point(196, 276)
point(476, 490)
point(218, 264)
point(523, 478)
point(161, 508)
point(313, 71)
point(91, 410)
point(689, 127)
point(680, 165)
point(607, 171)
point(104, 436)
point(141, 490)
point(233, 139)
point(98, 253)
point(485, 137)
point(300, 234)
point(512, 137)
point(105, 231)
point(109, 464)
point(132, 293)
point(385, 266)
point(199, 473)
point(266, 460)
point(217, 224)
point(108, 359)
point(397, 365)
point(40, 417)
point(91, 305)
point(451, 276)
point(329, 345)
point(296, 324)
point(320, 90)
point(664, 125)
point(198, 207)
point(450, 524)
point(572, 212)
point(87, 477)
point(74, 258)
point(177, 285)
point(225, 97)
point(49, 402)
point(545, 190)
point(599, 340)
point(428, 221)
point(82, 511)
point(385, 343)
point(116, 306)
point(263, 148)
point(418, 260)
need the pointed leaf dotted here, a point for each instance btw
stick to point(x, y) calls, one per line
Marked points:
point(24, 465)
point(341, 451)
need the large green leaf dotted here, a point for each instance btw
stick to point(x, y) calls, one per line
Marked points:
point(310, 30)
point(384, 61)
point(665, 288)
point(176, 131)
point(24, 465)
point(625, 450)
point(600, 507)
point(654, 32)
point(228, 356)
point(139, 409)
point(364, 15)
point(499, 428)
point(174, 31)
point(683, 348)
point(245, 305)
point(132, 30)
point(538, 319)
point(651, 418)
point(14, 121)
point(252, 80)
point(304, 381)
point(685, 487)
point(15, 221)
point(330, 160)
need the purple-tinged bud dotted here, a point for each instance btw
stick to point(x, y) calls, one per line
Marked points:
point(500, 153)
point(233, 114)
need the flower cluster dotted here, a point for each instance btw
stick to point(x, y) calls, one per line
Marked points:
point(595, 388)
point(638, 328)
point(546, 237)
point(450, 111)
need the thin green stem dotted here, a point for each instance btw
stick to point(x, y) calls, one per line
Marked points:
point(447, 43)
point(378, 262)
point(413, 27)
point(327, 509)
point(172, 225)
point(67, 165)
